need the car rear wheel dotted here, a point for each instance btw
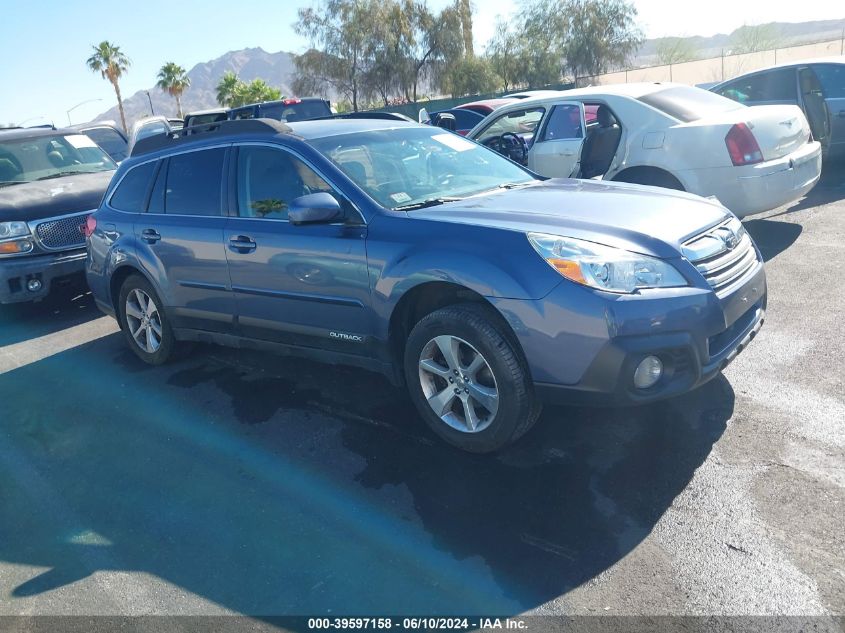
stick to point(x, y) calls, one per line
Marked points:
point(468, 380)
point(144, 322)
point(651, 177)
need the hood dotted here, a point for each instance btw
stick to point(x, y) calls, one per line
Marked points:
point(646, 220)
point(50, 198)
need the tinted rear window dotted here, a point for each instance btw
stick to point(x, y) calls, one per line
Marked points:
point(295, 111)
point(192, 185)
point(131, 193)
point(688, 104)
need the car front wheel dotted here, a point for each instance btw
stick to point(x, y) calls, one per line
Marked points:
point(468, 380)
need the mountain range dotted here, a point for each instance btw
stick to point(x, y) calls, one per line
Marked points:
point(277, 69)
point(250, 63)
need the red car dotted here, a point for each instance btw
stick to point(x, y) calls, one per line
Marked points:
point(485, 106)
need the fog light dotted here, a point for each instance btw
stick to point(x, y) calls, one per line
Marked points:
point(33, 285)
point(648, 372)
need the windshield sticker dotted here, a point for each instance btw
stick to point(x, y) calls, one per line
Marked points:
point(457, 143)
point(80, 140)
point(400, 197)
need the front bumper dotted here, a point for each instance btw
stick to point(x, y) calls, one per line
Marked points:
point(587, 354)
point(15, 272)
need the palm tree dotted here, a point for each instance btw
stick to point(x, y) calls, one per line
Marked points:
point(226, 88)
point(111, 63)
point(173, 80)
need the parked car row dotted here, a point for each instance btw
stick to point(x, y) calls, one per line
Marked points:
point(472, 270)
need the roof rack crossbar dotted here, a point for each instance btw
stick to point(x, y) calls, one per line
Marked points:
point(238, 126)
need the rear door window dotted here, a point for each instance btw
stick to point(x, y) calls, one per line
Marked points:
point(564, 123)
point(190, 184)
point(131, 193)
point(832, 78)
point(774, 85)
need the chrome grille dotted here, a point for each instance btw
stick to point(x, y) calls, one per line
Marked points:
point(58, 234)
point(722, 255)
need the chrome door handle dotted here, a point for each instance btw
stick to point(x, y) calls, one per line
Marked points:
point(242, 244)
point(150, 236)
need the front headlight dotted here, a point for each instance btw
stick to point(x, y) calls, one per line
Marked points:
point(604, 267)
point(9, 230)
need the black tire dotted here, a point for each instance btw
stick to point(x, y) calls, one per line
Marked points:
point(651, 177)
point(167, 347)
point(480, 332)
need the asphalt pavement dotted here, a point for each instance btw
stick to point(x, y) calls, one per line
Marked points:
point(241, 482)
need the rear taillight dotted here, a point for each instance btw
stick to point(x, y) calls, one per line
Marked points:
point(89, 226)
point(291, 101)
point(742, 146)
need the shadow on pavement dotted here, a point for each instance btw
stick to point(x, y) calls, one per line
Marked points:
point(68, 305)
point(773, 237)
point(273, 486)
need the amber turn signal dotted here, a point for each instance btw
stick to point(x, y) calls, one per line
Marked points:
point(16, 247)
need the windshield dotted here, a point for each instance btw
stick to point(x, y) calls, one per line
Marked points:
point(51, 156)
point(407, 166)
point(687, 104)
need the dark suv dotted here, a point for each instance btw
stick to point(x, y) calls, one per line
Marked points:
point(409, 250)
point(284, 110)
point(50, 181)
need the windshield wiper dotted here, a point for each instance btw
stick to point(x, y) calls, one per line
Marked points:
point(8, 183)
point(430, 202)
point(514, 185)
point(62, 173)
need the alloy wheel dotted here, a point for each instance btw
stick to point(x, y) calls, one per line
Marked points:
point(458, 384)
point(143, 321)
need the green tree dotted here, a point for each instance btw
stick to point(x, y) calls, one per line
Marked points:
point(674, 50)
point(436, 42)
point(108, 60)
point(750, 39)
point(540, 31)
point(255, 91)
point(465, 13)
point(600, 34)
point(338, 32)
point(471, 76)
point(386, 50)
point(226, 88)
point(503, 51)
point(173, 79)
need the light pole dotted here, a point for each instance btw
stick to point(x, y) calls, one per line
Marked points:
point(76, 106)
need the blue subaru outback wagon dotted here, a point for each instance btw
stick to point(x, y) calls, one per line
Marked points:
point(411, 251)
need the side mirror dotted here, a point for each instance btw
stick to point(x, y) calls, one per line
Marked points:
point(446, 120)
point(423, 115)
point(314, 208)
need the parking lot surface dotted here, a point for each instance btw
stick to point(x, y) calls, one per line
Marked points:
point(240, 482)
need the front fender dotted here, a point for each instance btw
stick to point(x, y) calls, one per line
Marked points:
point(406, 252)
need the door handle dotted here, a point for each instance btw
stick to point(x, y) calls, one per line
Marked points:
point(842, 114)
point(242, 244)
point(150, 236)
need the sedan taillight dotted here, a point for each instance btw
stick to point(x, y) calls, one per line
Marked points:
point(742, 146)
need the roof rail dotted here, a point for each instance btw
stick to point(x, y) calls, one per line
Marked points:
point(241, 126)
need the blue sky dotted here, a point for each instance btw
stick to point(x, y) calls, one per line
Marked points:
point(44, 44)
